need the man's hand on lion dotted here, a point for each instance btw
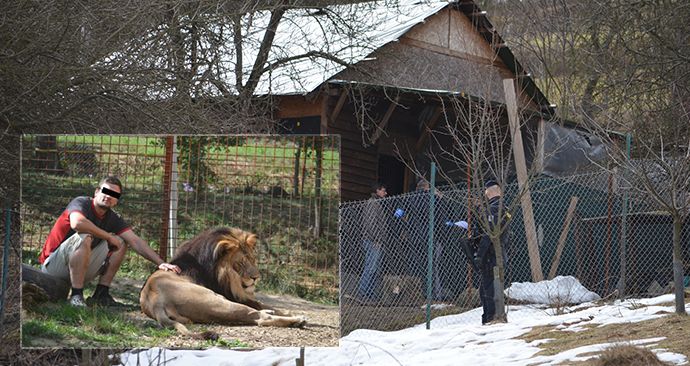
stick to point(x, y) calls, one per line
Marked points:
point(169, 267)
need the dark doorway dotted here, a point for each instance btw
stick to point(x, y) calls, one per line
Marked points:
point(300, 126)
point(392, 174)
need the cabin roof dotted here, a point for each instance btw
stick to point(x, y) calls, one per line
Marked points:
point(372, 26)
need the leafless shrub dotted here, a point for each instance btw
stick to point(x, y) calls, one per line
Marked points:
point(628, 355)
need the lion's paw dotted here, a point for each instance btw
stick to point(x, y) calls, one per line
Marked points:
point(300, 323)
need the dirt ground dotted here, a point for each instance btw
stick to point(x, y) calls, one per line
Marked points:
point(322, 328)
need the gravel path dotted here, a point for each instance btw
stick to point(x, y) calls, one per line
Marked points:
point(321, 330)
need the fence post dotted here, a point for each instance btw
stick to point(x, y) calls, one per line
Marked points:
point(624, 228)
point(167, 182)
point(318, 147)
point(523, 181)
point(174, 200)
point(430, 244)
point(5, 264)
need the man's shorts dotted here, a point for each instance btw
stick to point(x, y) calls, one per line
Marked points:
point(57, 264)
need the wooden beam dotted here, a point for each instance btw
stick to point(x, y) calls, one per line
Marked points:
point(384, 122)
point(541, 135)
point(453, 53)
point(407, 179)
point(338, 107)
point(523, 183)
point(292, 106)
point(563, 237)
point(428, 126)
point(323, 127)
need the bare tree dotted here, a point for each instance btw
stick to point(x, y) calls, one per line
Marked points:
point(623, 66)
point(159, 66)
point(654, 92)
point(192, 66)
point(475, 137)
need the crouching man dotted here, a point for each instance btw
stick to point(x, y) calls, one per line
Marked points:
point(90, 239)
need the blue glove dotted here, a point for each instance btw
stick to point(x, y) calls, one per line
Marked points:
point(462, 224)
point(399, 212)
point(450, 223)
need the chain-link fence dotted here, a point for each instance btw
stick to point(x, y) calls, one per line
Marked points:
point(10, 309)
point(283, 188)
point(583, 229)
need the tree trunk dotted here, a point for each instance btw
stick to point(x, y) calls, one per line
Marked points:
point(55, 288)
point(499, 278)
point(678, 266)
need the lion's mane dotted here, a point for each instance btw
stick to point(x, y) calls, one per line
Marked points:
point(221, 259)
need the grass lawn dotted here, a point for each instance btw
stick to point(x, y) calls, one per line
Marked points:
point(674, 327)
point(57, 324)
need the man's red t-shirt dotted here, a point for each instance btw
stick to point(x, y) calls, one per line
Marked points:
point(110, 222)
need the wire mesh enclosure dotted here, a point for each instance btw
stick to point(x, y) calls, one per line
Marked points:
point(589, 227)
point(283, 188)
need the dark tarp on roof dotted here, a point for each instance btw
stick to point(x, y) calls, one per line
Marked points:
point(568, 150)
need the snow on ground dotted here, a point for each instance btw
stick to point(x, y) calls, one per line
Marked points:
point(560, 290)
point(452, 340)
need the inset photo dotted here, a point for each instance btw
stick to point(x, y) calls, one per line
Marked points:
point(179, 241)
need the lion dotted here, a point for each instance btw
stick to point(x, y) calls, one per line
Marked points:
point(216, 285)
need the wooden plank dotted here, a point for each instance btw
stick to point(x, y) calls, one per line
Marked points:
point(428, 126)
point(433, 30)
point(323, 128)
point(453, 53)
point(541, 135)
point(357, 193)
point(563, 237)
point(354, 173)
point(292, 106)
point(354, 138)
point(523, 183)
point(338, 107)
point(357, 157)
point(384, 122)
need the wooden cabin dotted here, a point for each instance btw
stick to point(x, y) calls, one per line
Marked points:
point(450, 53)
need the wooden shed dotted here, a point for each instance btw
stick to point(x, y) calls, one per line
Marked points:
point(451, 51)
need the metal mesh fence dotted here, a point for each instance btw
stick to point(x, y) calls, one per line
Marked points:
point(283, 188)
point(9, 290)
point(582, 231)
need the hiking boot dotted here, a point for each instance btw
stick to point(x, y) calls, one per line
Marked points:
point(494, 321)
point(103, 300)
point(77, 301)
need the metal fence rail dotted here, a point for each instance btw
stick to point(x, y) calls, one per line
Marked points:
point(581, 229)
point(283, 188)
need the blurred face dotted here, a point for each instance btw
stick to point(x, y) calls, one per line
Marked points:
point(492, 192)
point(381, 192)
point(104, 197)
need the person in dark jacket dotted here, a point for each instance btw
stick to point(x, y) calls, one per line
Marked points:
point(484, 258)
point(374, 236)
point(418, 233)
